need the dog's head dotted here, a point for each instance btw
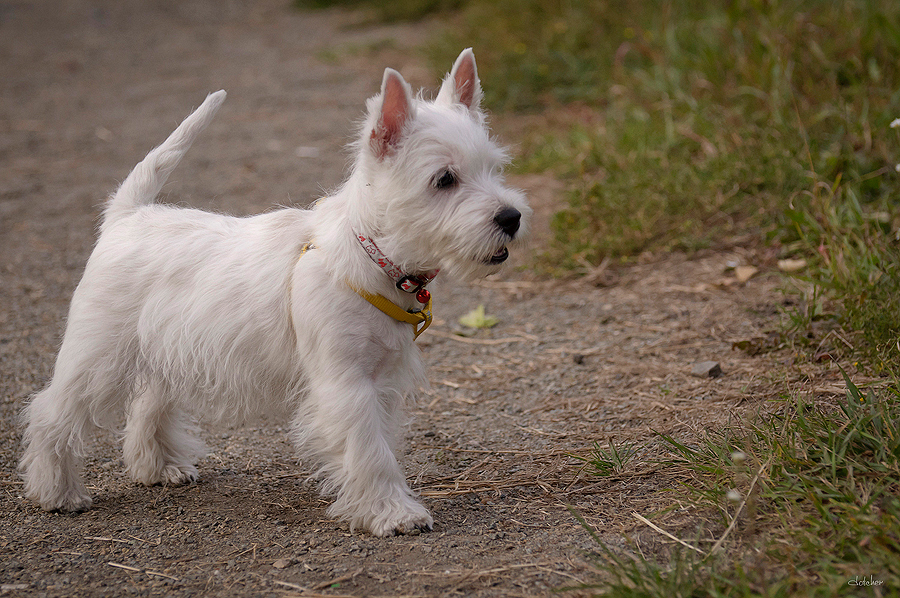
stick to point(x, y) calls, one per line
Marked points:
point(435, 195)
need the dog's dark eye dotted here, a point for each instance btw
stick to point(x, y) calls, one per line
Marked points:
point(444, 179)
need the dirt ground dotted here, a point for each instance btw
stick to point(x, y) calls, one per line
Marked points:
point(87, 88)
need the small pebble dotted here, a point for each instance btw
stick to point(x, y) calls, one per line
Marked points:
point(706, 369)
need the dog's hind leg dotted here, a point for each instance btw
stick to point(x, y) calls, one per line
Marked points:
point(86, 391)
point(54, 444)
point(161, 446)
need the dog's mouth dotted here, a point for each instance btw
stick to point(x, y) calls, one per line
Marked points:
point(499, 256)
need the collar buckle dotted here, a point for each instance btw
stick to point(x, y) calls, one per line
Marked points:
point(411, 284)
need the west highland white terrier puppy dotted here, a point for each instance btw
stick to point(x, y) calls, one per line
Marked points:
point(184, 314)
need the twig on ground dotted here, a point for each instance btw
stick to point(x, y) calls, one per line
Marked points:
point(340, 579)
point(107, 539)
point(478, 341)
point(293, 586)
point(157, 543)
point(158, 574)
point(139, 570)
point(121, 566)
point(646, 521)
point(562, 573)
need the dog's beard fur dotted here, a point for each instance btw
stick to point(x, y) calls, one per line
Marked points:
point(183, 313)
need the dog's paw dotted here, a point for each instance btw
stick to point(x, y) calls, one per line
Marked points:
point(73, 502)
point(179, 475)
point(172, 475)
point(418, 528)
point(399, 525)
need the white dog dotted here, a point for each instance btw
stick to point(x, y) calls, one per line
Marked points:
point(183, 313)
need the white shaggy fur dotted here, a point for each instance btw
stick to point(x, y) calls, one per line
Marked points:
point(183, 313)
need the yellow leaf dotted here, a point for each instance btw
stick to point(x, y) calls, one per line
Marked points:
point(477, 319)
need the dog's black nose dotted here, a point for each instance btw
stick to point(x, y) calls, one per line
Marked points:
point(508, 220)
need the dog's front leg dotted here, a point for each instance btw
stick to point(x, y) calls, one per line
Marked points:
point(351, 430)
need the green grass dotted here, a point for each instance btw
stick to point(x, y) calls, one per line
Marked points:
point(610, 460)
point(814, 503)
point(857, 267)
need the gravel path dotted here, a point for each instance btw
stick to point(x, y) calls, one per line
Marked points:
point(87, 88)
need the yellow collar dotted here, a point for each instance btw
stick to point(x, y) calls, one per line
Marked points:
point(416, 318)
point(420, 320)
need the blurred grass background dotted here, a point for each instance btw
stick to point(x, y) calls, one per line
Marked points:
point(703, 124)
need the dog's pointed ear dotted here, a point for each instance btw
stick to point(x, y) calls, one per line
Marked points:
point(462, 85)
point(394, 112)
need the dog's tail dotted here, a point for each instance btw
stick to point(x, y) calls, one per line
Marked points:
point(146, 180)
